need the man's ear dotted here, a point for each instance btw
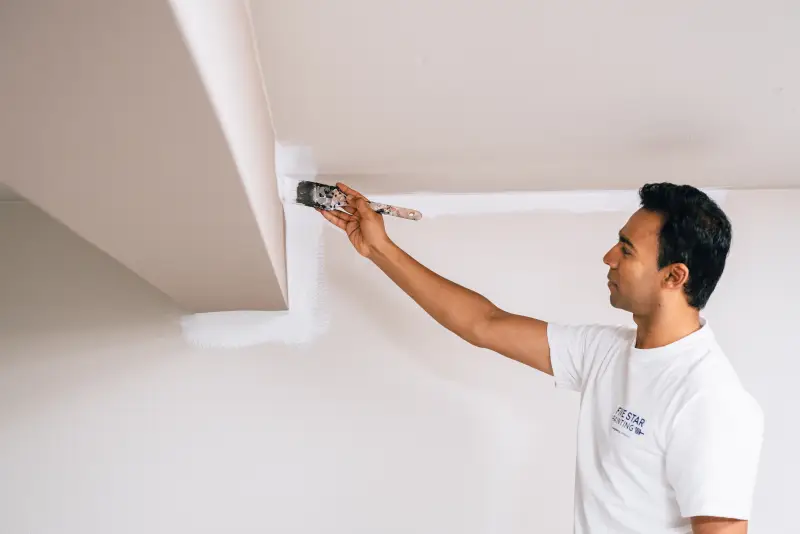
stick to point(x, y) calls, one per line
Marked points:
point(676, 276)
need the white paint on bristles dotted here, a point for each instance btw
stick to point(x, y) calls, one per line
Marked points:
point(306, 318)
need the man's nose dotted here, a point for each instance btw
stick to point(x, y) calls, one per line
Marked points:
point(610, 258)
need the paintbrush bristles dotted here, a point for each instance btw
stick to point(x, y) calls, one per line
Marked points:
point(305, 194)
point(321, 196)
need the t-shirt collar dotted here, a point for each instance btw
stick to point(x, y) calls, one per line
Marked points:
point(702, 335)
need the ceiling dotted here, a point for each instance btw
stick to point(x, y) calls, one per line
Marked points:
point(467, 95)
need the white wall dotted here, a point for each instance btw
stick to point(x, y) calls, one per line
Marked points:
point(388, 423)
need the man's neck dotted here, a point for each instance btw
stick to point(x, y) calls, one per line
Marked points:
point(664, 327)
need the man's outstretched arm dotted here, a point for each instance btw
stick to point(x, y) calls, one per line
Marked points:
point(464, 312)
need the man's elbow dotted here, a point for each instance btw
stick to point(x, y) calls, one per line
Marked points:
point(482, 330)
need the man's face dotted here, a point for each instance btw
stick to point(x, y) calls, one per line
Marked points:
point(634, 277)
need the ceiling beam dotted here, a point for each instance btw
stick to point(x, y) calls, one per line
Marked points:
point(108, 127)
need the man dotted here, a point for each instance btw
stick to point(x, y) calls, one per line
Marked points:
point(668, 439)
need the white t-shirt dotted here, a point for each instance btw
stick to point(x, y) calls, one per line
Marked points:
point(664, 434)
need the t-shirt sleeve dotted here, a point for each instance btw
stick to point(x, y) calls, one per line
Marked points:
point(713, 453)
point(574, 349)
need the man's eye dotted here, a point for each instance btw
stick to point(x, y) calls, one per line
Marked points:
point(626, 252)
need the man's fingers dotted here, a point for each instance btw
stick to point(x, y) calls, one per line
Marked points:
point(344, 215)
point(356, 202)
point(334, 218)
point(348, 190)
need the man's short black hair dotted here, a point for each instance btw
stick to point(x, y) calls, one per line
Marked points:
point(695, 232)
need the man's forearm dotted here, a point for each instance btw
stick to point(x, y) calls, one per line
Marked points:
point(460, 310)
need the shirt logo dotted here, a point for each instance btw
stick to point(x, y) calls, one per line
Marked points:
point(627, 423)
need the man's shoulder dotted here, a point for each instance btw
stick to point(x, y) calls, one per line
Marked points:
point(710, 372)
point(612, 335)
point(594, 336)
point(577, 349)
point(713, 387)
point(721, 405)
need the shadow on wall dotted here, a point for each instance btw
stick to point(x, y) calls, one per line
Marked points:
point(54, 323)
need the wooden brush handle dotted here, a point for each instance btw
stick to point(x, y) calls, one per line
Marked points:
point(394, 211)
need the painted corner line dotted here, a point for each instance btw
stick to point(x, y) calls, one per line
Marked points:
point(306, 318)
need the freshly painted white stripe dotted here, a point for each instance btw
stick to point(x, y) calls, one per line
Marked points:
point(438, 205)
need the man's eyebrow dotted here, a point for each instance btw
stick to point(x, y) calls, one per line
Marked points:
point(624, 239)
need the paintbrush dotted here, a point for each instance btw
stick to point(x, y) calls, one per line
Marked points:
point(330, 197)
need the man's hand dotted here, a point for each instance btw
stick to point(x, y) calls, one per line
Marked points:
point(718, 525)
point(363, 226)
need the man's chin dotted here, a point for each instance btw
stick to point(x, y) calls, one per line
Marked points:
point(616, 303)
